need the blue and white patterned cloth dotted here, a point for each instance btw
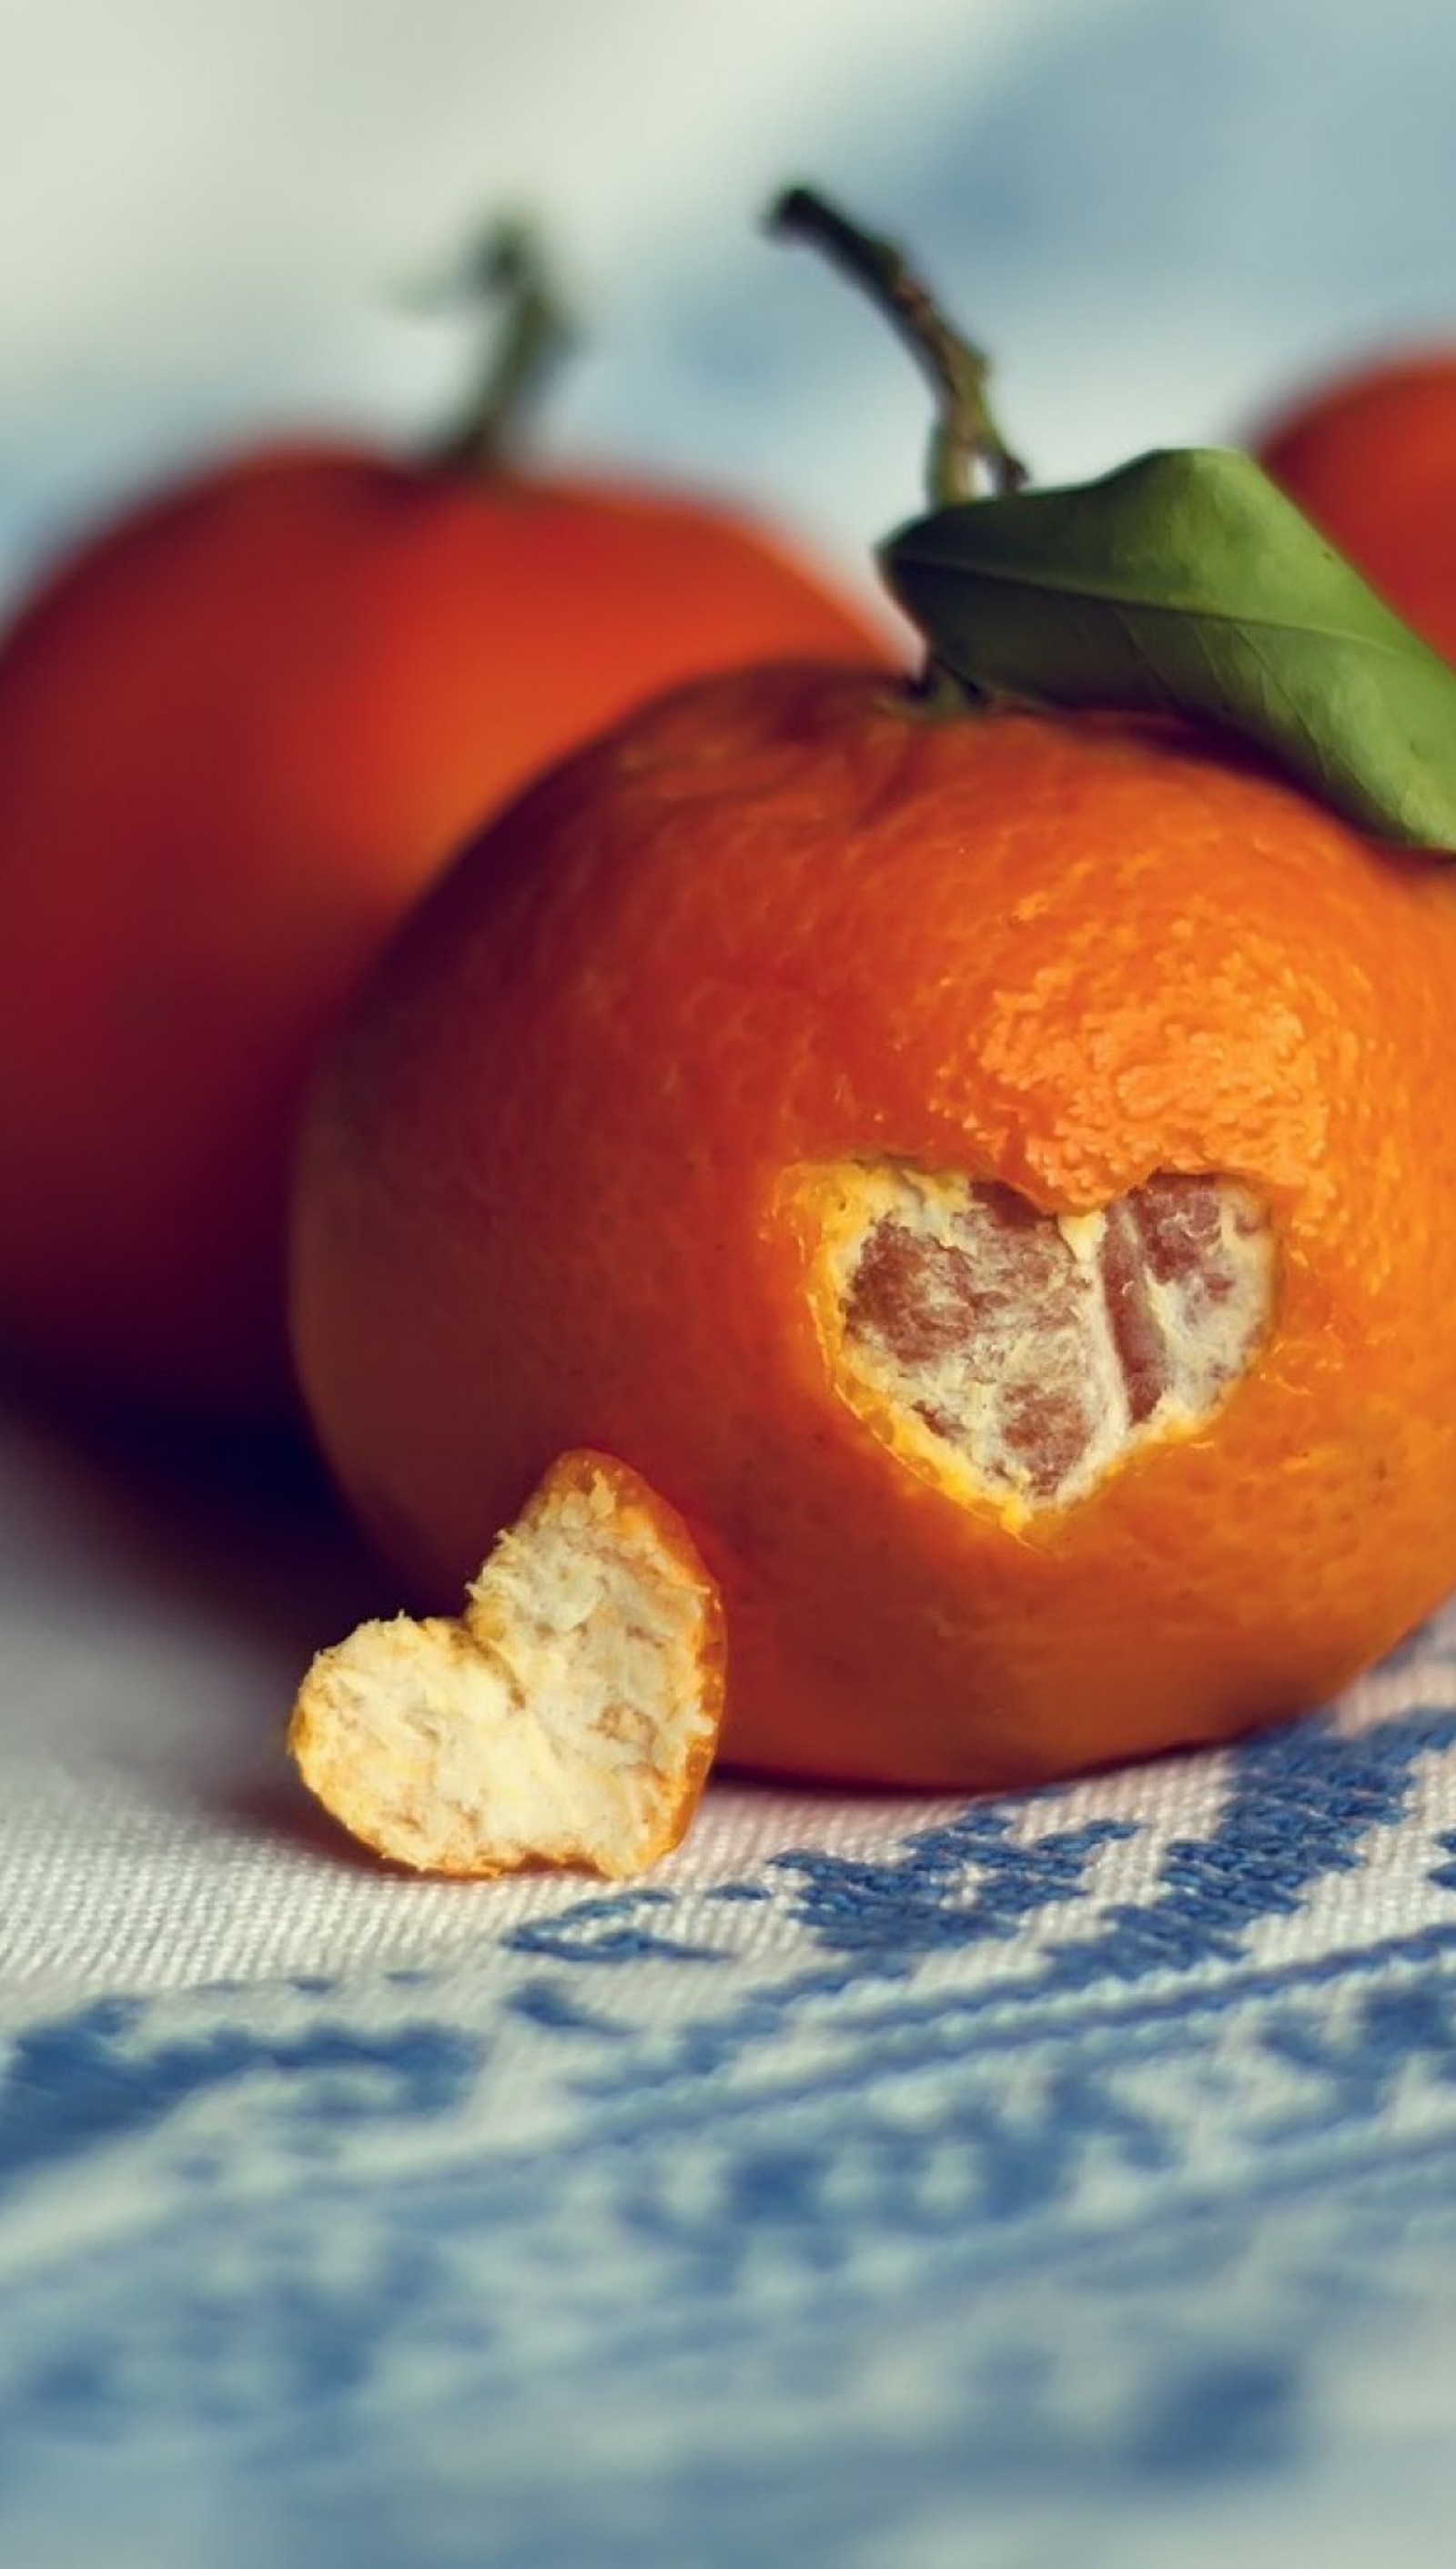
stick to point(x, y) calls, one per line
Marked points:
point(1062, 2182)
point(1069, 2178)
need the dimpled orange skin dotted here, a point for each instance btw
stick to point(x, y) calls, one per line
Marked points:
point(237, 734)
point(773, 920)
point(1371, 458)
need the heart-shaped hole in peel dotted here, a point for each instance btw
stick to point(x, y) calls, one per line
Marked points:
point(568, 1717)
point(1022, 1354)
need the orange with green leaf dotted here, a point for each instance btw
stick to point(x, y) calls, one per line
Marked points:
point(974, 1146)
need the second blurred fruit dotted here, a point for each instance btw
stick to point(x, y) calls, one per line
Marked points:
point(1370, 456)
point(238, 733)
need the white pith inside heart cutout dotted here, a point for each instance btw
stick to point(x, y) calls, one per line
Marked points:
point(1030, 1353)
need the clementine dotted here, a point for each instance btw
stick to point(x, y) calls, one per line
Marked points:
point(1371, 458)
point(979, 1170)
point(981, 1173)
point(238, 733)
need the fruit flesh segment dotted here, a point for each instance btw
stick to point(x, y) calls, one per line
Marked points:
point(1024, 1352)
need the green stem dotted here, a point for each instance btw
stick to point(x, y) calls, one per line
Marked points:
point(965, 442)
point(506, 268)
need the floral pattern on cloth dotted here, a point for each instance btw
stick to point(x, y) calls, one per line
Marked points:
point(1086, 2157)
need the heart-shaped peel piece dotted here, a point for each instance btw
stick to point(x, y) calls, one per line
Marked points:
point(568, 1717)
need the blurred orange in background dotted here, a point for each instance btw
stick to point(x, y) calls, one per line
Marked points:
point(1370, 456)
point(237, 735)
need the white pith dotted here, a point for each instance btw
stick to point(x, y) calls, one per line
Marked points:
point(1207, 1342)
point(564, 1718)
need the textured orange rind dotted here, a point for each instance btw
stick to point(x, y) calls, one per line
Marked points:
point(548, 1196)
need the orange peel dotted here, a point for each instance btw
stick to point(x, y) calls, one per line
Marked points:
point(567, 1718)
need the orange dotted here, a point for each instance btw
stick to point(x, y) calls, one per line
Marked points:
point(237, 734)
point(990, 1175)
point(1371, 458)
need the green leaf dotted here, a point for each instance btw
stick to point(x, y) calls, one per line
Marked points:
point(1187, 583)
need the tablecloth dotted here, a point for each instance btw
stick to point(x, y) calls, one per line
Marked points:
point(1063, 2178)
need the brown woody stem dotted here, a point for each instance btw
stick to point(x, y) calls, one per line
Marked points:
point(506, 268)
point(967, 441)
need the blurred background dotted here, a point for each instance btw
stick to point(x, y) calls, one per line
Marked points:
point(219, 217)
